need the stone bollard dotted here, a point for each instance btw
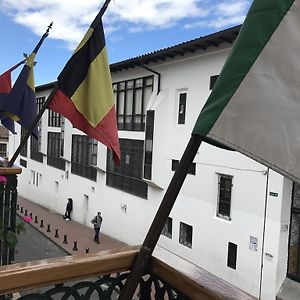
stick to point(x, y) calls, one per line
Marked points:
point(26, 213)
point(56, 233)
point(18, 207)
point(42, 223)
point(75, 246)
point(65, 239)
point(87, 250)
point(22, 209)
point(48, 228)
point(35, 219)
point(31, 215)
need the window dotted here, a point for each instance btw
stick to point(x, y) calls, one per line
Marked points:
point(213, 80)
point(128, 175)
point(35, 144)
point(84, 155)
point(182, 108)
point(224, 196)
point(55, 150)
point(232, 255)
point(35, 154)
point(54, 119)
point(23, 163)
point(149, 145)
point(167, 230)
point(186, 234)
point(24, 149)
point(3, 150)
point(132, 97)
point(192, 168)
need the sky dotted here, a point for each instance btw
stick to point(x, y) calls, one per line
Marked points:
point(132, 27)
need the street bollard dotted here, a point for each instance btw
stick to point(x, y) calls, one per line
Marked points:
point(65, 239)
point(30, 215)
point(75, 246)
point(18, 207)
point(22, 210)
point(48, 228)
point(56, 233)
point(87, 250)
point(35, 219)
point(42, 223)
point(26, 214)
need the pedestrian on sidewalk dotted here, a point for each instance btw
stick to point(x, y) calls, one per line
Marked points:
point(69, 208)
point(97, 221)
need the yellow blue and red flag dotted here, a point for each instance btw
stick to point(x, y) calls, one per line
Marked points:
point(20, 104)
point(85, 95)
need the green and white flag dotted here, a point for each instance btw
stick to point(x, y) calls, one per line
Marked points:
point(254, 107)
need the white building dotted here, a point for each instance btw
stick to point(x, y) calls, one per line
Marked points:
point(232, 216)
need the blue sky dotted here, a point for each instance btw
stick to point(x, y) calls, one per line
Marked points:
point(132, 27)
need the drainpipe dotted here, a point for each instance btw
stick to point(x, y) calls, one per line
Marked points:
point(263, 236)
point(155, 72)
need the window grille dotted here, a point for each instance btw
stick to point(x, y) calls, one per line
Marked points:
point(54, 119)
point(24, 149)
point(3, 150)
point(232, 255)
point(128, 175)
point(35, 154)
point(186, 235)
point(224, 196)
point(167, 230)
point(149, 145)
point(23, 163)
point(182, 108)
point(293, 271)
point(54, 150)
point(131, 98)
point(84, 155)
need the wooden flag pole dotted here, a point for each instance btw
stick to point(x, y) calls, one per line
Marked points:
point(143, 257)
point(29, 131)
point(54, 90)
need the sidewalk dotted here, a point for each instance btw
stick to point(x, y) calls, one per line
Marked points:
point(74, 231)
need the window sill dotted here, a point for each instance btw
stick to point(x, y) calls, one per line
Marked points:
point(223, 219)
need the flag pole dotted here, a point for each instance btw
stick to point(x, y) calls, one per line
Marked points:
point(44, 107)
point(142, 259)
point(28, 133)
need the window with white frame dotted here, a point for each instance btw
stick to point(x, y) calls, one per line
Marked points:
point(224, 196)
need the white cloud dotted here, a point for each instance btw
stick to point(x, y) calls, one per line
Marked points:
point(223, 15)
point(72, 17)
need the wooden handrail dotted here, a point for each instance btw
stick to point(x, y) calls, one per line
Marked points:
point(4, 170)
point(184, 277)
point(46, 272)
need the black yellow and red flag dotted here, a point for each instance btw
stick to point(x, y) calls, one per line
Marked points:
point(84, 94)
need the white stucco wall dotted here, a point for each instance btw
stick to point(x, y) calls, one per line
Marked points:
point(197, 201)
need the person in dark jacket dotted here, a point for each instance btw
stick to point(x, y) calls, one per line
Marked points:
point(69, 208)
point(97, 221)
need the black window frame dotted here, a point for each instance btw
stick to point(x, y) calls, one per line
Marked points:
point(186, 234)
point(82, 156)
point(54, 119)
point(225, 184)
point(24, 150)
point(128, 175)
point(232, 255)
point(182, 98)
point(168, 228)
point(55, 150)
point(149, 144)
point(133, 91)
point(212, 81)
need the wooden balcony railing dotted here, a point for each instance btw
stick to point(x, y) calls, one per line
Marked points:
point(108, 270)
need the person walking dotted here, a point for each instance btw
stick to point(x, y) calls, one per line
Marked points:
point(97, 221)
point(69, 208)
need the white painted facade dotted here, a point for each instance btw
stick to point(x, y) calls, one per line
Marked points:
point(254, 212)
